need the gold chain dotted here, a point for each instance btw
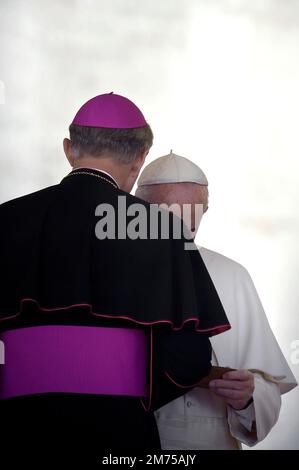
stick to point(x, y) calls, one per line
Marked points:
point(92, 174)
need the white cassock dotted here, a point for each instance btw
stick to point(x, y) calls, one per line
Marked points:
point(200, 419)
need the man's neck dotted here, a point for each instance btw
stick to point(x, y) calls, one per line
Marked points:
point(96, 169)
point(118, 172)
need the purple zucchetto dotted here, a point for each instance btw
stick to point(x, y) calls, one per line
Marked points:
point(110, 111)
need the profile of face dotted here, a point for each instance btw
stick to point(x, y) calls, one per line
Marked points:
point(186, 200)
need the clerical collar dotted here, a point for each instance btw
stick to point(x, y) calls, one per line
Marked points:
point(98, 170)
point(96, 173)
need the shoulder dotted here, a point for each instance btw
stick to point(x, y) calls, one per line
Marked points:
point(131, 199)
point(20, 203)
point(221, 263)
point(153, 212)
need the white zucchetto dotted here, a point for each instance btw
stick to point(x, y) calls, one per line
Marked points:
point(172, 168)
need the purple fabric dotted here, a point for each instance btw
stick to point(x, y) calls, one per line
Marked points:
point(74, 359)
point(110, 110)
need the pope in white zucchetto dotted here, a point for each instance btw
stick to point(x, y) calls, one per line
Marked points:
point(243, 405)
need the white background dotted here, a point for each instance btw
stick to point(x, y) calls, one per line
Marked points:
point(218, 82)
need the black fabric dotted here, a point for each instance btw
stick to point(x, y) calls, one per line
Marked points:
point(68, 428)
point(49, 253)
point(180, 359)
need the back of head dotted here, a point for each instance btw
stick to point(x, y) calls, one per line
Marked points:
point(172, 168)
point(167, 178)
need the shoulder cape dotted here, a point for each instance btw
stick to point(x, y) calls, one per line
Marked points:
point(51, 257)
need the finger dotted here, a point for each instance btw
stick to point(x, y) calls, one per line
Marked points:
point(231, 394)
point(240, 374)
point(229, 384)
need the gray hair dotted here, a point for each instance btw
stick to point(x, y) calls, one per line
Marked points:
point(124, 145)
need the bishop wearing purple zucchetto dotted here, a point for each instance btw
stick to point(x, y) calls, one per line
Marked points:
point(104, 317)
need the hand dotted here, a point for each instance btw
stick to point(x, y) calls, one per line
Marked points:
point(236, 388)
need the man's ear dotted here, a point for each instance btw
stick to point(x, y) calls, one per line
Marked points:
point(67, 147)
point(134, 170)
point(143, 156)
point(139, 161)
point(206, 205)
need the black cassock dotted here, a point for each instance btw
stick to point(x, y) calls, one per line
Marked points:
point(56, 274)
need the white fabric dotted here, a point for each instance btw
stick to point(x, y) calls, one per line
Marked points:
point(252, 425)
point(200, 419)
point(172, 168)
point(245, 417)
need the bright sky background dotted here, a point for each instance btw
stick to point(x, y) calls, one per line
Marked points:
point(218, 82)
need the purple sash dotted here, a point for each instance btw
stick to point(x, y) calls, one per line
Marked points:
point(74, 359)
